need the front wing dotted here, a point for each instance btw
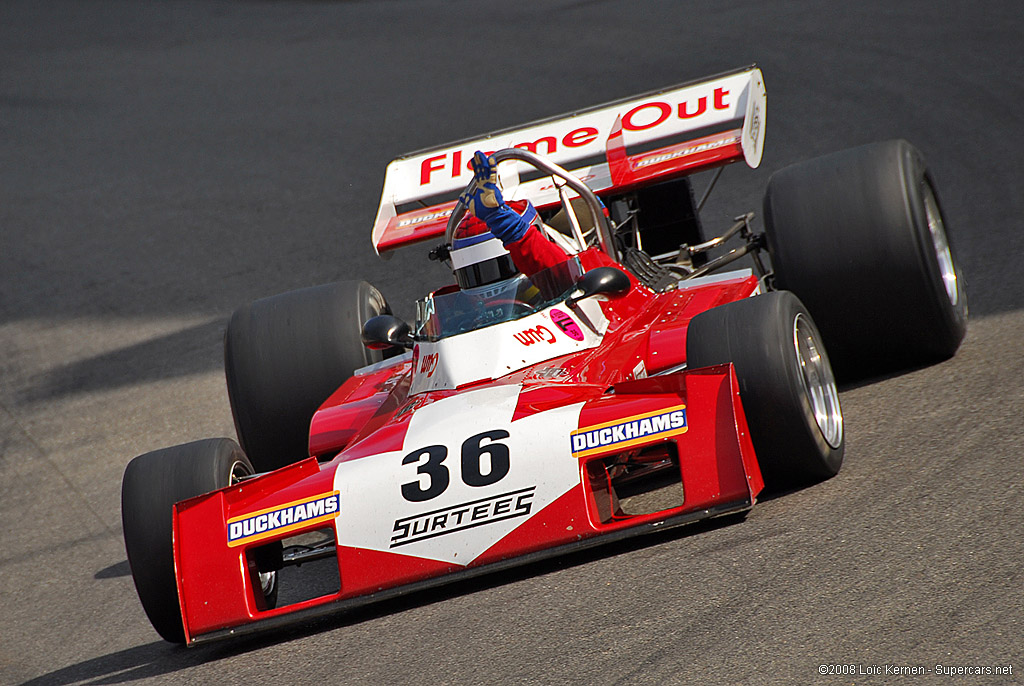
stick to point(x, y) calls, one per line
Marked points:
point(219, 538)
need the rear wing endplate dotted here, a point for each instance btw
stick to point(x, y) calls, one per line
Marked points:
point(617, 146)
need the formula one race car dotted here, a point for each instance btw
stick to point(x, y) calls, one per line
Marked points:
point(634, 387)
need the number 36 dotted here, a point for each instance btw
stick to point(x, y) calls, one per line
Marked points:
point(473, 449)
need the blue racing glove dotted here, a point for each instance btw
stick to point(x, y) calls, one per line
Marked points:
point(484, 197)
point(484, 201)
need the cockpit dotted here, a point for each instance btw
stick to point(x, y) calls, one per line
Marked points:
point(449, 311)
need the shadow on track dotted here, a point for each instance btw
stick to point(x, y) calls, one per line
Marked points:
point(197, 349)
point(160, 658)
point(141, 662)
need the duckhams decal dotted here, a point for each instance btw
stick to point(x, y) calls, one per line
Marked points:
point(628, 432)
point(275, 521)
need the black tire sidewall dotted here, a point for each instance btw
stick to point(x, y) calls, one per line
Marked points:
point(285, 355)
point(848, 234)
point(757, 336)
point(151, 485)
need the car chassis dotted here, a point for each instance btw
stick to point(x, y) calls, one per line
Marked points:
point(655, 392)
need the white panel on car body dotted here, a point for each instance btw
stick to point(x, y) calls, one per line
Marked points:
point(576, 136)
point(494, 351)
point(454, 520)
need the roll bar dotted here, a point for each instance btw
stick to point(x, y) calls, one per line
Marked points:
point(604, 229)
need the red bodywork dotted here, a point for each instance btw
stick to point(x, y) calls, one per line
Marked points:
point(369, 415)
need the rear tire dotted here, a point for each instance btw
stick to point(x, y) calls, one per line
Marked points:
point(285, 355)
point(152, 484)
point(859, 237)
point(786, 384)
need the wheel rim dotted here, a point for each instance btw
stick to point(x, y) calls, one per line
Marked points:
point(267, 582)
point(937, 229)
point(819, 381)
point(239, 472)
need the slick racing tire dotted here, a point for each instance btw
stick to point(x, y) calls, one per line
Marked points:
point(859, 236)
point(786, 384)
point(284, 355)
point(152, 484)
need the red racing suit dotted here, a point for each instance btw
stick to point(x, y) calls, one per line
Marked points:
point(534, 252)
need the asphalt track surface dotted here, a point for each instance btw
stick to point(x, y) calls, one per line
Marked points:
point(162, 163)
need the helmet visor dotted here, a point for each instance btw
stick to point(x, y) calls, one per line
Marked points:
point(486, 272)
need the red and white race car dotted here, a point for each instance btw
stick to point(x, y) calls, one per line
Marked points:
point(637, 386)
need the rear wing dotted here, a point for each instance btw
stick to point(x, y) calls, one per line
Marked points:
point(617, 146)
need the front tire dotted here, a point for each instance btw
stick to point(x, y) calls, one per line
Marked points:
point(860, 238)
point(786, 383)
point(284, 355)
point(152, 484)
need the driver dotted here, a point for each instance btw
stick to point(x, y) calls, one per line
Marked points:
point(495, 251)
point(520, 238)
point(489, 280)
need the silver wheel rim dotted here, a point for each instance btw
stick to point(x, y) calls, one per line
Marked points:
point(819, 381)
point(940, 243)
point(239, 470)
point(267, 581)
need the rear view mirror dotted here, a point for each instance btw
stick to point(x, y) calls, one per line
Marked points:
point(600, 281)
point(386, 331)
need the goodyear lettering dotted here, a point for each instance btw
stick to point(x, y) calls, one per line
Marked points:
point(268, 523)
point(629, 431)
point(464, 516)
